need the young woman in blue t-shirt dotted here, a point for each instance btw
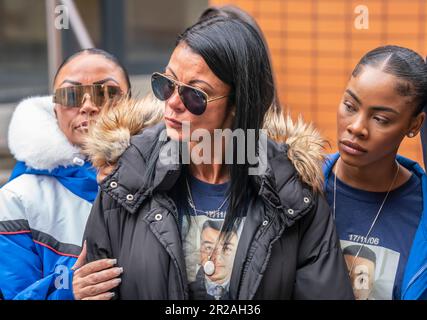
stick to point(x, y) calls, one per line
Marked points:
point(375, 195)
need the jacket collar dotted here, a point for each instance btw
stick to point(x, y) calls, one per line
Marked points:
point(130, 184)
point(79, 179)
point(34, 136)
point(409, 164)
point(281, 186)
point(111, 136)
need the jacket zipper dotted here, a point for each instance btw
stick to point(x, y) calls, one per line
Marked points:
point(245, 271)
point(171, 209)
point(249, 258)
point(175, 215)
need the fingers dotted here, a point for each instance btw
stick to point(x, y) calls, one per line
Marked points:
point(103, 296)
point(103, 276)
point(95, 283)
point(95, 266)
point(100, 288)
point(94, 280)
point(82, 258)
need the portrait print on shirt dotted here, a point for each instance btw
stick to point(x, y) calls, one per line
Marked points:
point(202, 244)
point(372, 270)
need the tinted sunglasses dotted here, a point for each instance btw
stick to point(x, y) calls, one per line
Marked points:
point(194, 99)
point(74, 96)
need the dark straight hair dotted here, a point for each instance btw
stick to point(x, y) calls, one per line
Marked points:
point(406, 65)
point(100, 52)
point(237, 13)
point(237, 55)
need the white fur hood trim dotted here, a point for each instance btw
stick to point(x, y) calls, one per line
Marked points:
point(35, 138)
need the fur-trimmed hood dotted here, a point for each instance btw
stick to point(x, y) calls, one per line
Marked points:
point(34, 136)
point(110, 136)
point(306, 145)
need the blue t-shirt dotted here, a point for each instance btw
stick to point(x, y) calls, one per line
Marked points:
point(378, 271)
point(200, 229)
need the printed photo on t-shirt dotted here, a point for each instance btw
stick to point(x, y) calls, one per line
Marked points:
point(372, 270)
point(209, 260)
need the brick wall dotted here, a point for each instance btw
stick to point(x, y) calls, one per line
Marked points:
point(315, 45)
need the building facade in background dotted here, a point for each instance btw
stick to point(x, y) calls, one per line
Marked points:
point(141, 33)
point(314, 46)
point(316, 43)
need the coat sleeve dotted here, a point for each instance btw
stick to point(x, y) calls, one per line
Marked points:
point(27, 270)
point(322, 272)
point(96, 232)
point(56, 284)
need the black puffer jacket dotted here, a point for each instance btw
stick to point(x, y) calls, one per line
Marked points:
point(288, 248)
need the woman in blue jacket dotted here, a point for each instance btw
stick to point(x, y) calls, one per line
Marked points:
point(45, 205)
point(376, 196)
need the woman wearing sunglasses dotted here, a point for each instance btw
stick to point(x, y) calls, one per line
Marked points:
point(378, 197)
point(45, 204)
point(190, 227)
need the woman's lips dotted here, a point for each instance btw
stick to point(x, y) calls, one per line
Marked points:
point(172, 123)
point(352, 148)
point(84, 125)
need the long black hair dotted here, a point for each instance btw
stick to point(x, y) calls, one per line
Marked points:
point(234, 12)
point(100, 52)
point(406, 65)
point(237, 55)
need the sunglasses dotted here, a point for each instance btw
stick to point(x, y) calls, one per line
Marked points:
point(194, 99)
point(73, 97)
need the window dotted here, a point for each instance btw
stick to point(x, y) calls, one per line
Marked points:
point(23, 61)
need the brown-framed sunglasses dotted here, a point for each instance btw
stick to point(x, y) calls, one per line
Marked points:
point(73, 97)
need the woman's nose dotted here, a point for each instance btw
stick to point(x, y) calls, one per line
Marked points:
point(88, 107)
point(175, 102)
point(358, 128)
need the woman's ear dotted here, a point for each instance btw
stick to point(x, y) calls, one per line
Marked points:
point(416, 124)
point(229, 119)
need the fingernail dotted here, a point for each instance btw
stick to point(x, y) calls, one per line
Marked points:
point(113, 262)
point(117, 281)
point(120, 270)
point(112, 294)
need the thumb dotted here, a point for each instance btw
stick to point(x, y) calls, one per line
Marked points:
point(81, 261)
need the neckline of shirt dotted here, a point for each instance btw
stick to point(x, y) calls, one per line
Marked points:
point(371, 196)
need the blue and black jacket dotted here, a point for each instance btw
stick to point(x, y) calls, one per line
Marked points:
point(414, 285)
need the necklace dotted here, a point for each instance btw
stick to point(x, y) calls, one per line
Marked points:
point(209, 265)
point(215, 214)
point(376, 216)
